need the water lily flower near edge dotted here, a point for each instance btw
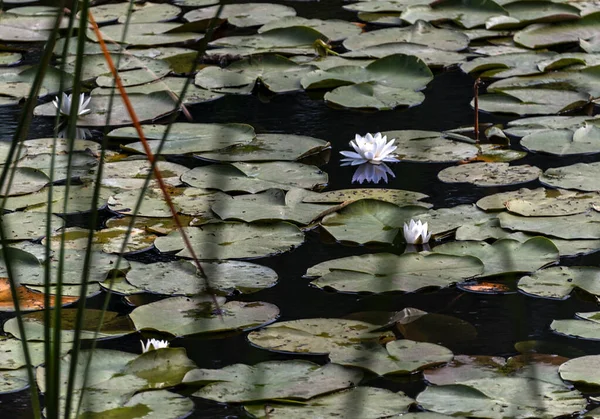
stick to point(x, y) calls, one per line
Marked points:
point(154, 344)
point(416, 232)
point(374, 149)
point(65, 105)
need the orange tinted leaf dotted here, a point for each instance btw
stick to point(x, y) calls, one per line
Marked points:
point(28, 299)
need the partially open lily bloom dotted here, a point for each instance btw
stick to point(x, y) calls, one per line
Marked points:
point(154, 344)
point(372, 173)
point(65, 105)
point(416, 232)
point(374, 149)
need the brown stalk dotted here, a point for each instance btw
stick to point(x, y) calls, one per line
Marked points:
point(152, 159)
point(476, 106)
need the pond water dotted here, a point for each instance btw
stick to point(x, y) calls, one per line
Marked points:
point(501, 320)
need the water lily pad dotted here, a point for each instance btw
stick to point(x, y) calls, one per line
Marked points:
point(433, 57)
point(539, 36)
point(28, 225)
point(558, 282)
point(584, 140)
point(373, 96)
point(369, 221)
point(28, 299)
point(384, 272)
point(182, 316)
point(25, 180)
point(394, 196)
point(11, 353)
point(113, 325)
point(508, 65)
point(182, 278)
point(270, 205)
point(578, 176)
point(562, 203)
point(234, 240)
point(419, 33)
point(131, 174)
point(397, 71)
point(505, 255)
point(334, 30)
point(141, 13)
point(530, 101)
point(489, 174)
point(315, 336)
point(586, 326)
point(255, 177)
point(444, 220)
point(143, 34)
point(503, 396)
point(13, 380)
point(579, 226)
point(375, 403)
point(243, 15)
point(23, 28)
point(468, 14)
point(581, 370)
point(524, 126)
point(300, 380)
point(147, 108)
point(282, 147)
point(429, 146)
point(523, 13)
point(498, 200)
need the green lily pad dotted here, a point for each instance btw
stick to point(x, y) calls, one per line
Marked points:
point(397, 357)
point(182, 277)
point(489, 229)
point(433, 57)
point(181, 316)
point(132, 173)
point(147, 107)
point(581, 370)
point(444, 220)
point(299, 380)
point(578, 226)
point(508, 65)
point(466, 13)
point(369, 221)
point(585, 140)
point(385, 272)
point(243, 15)
point(25, 180)
point(420, 32)
point(530, 101)
point(233, 240)
point(141, 13)
point(562, 203)
point(315, 336)
point(394, 196)
point(429, 146)
point(503, 396)
point(578, 176)
point(373, 96)
point(586, 326)
point(489, 174)
point(498, 200)
point(255, 177)
point(334, 30)
point(23, 28)
point(143, 34)
point(11, 354)
point(375, 403)
point(539, 36)
point(13, 380)
point(270, 205)
point(505, 255)
point(525, 126)
point(282, 147)
point(558, 282)
point(395, 71)
point(523, 13)
point(28, 225)
point(113, 325)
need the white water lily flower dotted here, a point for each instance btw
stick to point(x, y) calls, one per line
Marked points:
point(374, 149)
point(65, 104)
point(416, 232)
point(372, 173)
point(154, 344)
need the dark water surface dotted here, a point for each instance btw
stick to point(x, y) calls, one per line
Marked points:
point(500, 320)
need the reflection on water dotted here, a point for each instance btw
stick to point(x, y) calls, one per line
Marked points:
point(368, 172)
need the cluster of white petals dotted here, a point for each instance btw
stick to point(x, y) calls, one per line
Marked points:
point(65, 105)
point(416, 232)
point(154, 344)
point(374, 149)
